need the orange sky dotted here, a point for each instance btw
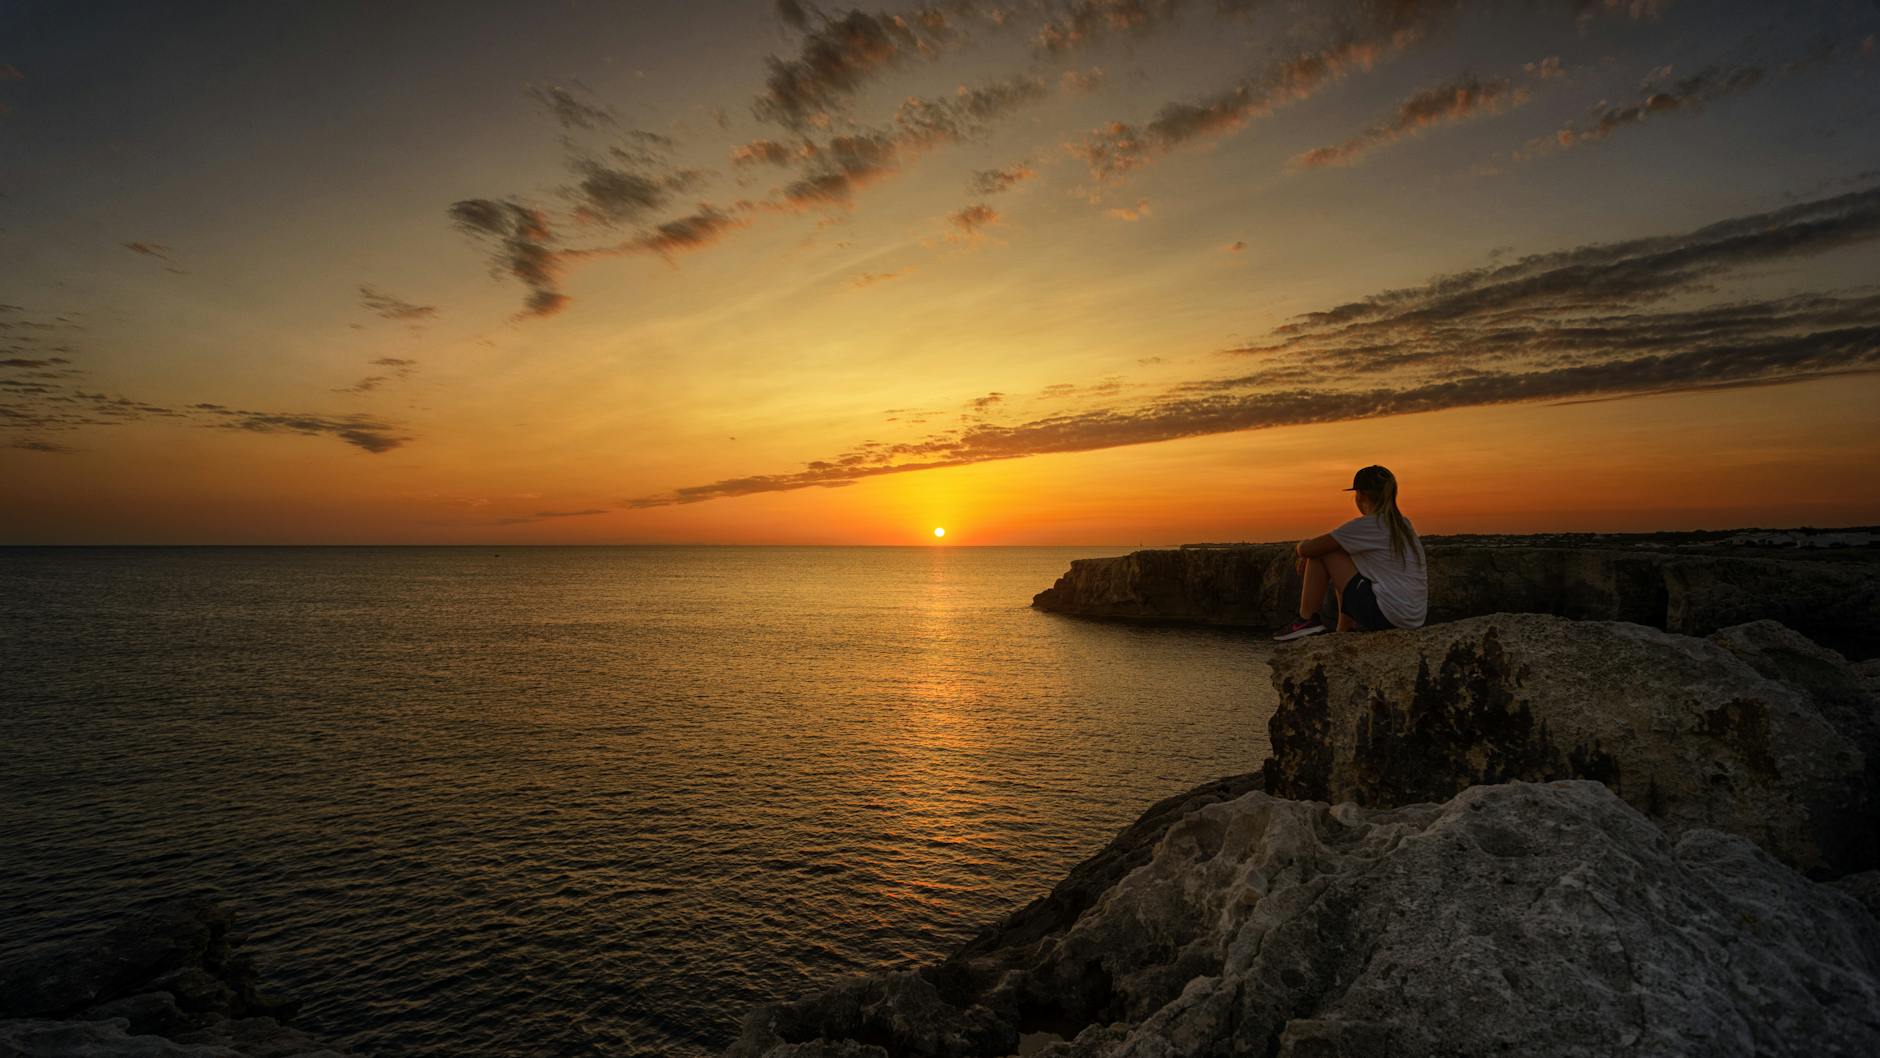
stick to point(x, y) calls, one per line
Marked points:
point(532, 280)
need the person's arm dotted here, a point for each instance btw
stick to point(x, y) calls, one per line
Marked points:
point(1319, 545)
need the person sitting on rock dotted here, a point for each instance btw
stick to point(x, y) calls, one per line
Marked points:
point(1375, 561)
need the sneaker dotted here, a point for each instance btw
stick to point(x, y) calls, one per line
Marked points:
point(1305, 626)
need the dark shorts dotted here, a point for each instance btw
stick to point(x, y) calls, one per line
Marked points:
point(1359, 602)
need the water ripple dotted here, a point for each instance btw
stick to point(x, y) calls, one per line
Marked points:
point(582, 801)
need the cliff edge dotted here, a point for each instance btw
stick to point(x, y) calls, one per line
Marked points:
point(1696, 593)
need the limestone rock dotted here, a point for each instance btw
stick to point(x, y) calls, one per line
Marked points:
point(1542, 920)
point(1686, 730)
point(167, 983)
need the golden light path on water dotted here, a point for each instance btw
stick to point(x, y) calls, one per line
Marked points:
point(493, 801)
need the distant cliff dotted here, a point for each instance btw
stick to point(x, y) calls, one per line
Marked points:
point(1692, 592)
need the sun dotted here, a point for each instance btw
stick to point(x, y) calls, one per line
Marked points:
point(939, 532)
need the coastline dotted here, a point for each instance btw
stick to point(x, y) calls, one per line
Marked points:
point(1715, 791)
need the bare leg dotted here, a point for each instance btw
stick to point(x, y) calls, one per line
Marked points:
point(1314, 588)
point(1340, 569)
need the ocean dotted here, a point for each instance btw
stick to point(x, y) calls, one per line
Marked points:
point(572, 801)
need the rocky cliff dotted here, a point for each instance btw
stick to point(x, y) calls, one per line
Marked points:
point(1513, 834)
point(1756, 730)
point(168, 983)
point(1256, 585)
point(1542, 920)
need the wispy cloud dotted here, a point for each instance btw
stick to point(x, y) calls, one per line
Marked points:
point(1688, 94)
point(544, 516)
point(993, 181)
point(570, 110)
point(973, 221)
point(1136, 212)
point(1577, 324)
point(392, 369)
point(869, 279)
point(1084, 22)
point(158, 251)
point(392, 307)
point(520, 245)
point(1458, 99)
point(839, 57)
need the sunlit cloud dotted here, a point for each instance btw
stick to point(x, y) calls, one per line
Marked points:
point(1458, 99)
point(1688, 94)
point(993, 181)
point(1571, 325)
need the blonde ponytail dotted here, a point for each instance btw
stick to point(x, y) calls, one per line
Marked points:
point(1384, 504)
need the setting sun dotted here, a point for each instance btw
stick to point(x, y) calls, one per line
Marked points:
point(939, 532)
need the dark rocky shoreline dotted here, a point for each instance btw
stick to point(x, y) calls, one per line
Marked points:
point(170, 982)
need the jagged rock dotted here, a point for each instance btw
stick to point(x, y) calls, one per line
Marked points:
point(1864, 887)
point(1256, 585)
point(110, 1038)
point(148, 1013)
point(1686, 730)
point(167, 983)
point(1541, 920)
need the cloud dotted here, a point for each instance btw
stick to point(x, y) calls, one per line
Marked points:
point(1085, 22)
point(520, 245)
point(846, 163)
point(614, 196)
point(542, 516)
point(972, 221)
point(569, 110)
point(993, 181)
point(1118, 148)
point(1139, 211)
point(1589, 322)
point(399, 370)
point(836, 60)
point(158, 251)
point(34, 444)
point(692, 232)
point(1547, 69)
point(1458, 99)
point(766, 152)
point(1637, 10)
point(1236, 246)
point(1081, 81)
point(393, 308)
point(359, 431)
point(869, 279)
point(793, 14)
point(1689, 94)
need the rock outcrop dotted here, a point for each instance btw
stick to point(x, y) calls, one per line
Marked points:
point(1256, 585)
point(1541, 920)
point(1756, 732)
point(168, 983)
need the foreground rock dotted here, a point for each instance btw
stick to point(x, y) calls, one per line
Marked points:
point(165, 984)
point(1541, 920)
point(1757, 732)
point(1256, 585)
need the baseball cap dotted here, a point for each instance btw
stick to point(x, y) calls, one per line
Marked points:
point(1369, 479)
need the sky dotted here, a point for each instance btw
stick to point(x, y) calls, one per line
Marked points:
point(1095, 272)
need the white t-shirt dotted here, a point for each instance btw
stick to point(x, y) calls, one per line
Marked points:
point(1401, 584)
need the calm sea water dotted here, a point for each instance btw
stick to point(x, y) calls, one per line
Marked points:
point(580, 801)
